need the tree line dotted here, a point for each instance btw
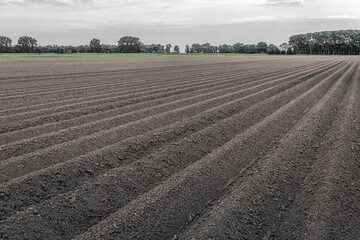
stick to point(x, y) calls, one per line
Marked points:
point(130, 44)
point(127, 44)
point(261, 47)
point(327, 42)
point(343, 42)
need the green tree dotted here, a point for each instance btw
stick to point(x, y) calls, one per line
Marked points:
point(168, 48)
point(261, 47)
point(284, 46)
point(83, 48)
point(225, 48)
point(311, 42)
point(155, 48)
point(95, 46)
point(161, 48)
point(108, 48)
point(289, 51)
point(250, 48)
point(176, 49)
point(26, 44)
point(129, 44)
point(273, 49)
point(238, 47)
point(196, 48)
point(5, 44)
point(208, 48)
point(187, 48)
point(301, 43)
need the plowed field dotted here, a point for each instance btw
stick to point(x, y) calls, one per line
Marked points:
point(180, 148)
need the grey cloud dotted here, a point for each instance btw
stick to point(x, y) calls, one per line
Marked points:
point(19, 3)
point(57, 3)
point(83, 1)
point(283, 3)
point(166, 7)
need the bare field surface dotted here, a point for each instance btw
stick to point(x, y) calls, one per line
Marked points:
point(264, 147)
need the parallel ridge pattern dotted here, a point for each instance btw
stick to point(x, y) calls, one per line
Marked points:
point(180, 148)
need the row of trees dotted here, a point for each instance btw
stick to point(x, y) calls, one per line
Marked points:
point(25, 44)
point(127, 44)
point(261, 47)
point(344, 42)
point(327, 42)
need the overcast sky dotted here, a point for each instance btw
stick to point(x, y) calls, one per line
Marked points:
point(173, 21)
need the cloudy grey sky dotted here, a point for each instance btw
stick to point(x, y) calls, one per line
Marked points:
point(173, 21)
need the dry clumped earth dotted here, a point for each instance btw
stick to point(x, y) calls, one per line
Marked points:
point(180, 148)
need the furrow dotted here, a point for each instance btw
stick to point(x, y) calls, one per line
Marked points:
point(113, 102)
point(104, 105)
point(39, 142)
point(51, 107)
point(70, 149)
point(326, 206)
point(52, 127)
point(193, 72)
point(257, 198)
point(108, 157)
point(145, 70)
point(157, 214)
point(130, 94)
point(88, 116)
point(128, 81)
point(251, 116)
point(134, 81)
point(166, 209)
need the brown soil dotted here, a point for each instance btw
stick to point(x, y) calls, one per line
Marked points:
point(180, 148)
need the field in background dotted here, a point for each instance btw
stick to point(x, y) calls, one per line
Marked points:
point(256, 147)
